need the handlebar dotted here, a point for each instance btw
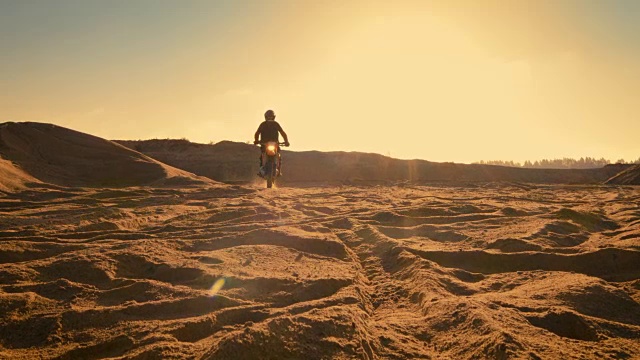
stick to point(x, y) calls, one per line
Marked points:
point(265, 143)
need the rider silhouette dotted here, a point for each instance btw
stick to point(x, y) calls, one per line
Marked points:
point(269, 130)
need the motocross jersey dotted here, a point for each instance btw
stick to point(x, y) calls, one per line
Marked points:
point(269, 131)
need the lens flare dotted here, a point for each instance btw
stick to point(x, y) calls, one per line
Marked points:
point(217, 286)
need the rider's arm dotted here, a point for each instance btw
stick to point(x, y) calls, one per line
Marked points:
point(284, 136)
point(257, 135)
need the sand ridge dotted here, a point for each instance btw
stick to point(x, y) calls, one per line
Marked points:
point(405, 272)
point(13, 178)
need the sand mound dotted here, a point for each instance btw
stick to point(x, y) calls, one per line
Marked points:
point(237, 162)
point(64, 157)
point(630, 176)
point(487, 271)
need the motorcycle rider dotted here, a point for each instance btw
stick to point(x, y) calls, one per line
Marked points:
point(269, 130)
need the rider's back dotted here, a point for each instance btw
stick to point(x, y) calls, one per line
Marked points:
point(269, 131)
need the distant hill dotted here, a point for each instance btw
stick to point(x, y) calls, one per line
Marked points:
point(630, 176)
point(237, 162)
point(44, 153)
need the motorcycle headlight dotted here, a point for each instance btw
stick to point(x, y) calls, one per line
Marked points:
point(271, 150)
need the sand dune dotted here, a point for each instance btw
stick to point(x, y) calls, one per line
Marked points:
point(376, 272)
point(237, 162)
point(59, 156)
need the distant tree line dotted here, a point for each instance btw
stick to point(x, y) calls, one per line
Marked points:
point(564, 163)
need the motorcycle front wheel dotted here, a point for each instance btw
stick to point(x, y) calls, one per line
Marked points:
point(270, 169)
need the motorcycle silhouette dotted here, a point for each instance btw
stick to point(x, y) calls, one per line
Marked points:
point(271, 162)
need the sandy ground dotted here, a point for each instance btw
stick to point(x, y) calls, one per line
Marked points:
point(399, 272)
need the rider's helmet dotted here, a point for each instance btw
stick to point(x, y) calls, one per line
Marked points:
point(270, 115)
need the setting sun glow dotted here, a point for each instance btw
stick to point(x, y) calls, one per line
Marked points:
point(445, 81)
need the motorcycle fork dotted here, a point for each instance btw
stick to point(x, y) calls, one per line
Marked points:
point(279, 164)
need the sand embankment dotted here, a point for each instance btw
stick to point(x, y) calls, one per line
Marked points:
point(46, 153)
point(630, 176)
point(237, 162)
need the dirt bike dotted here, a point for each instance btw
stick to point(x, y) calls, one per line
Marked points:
point(271, 161)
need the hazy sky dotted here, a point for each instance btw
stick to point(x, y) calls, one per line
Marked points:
point(439, 80)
